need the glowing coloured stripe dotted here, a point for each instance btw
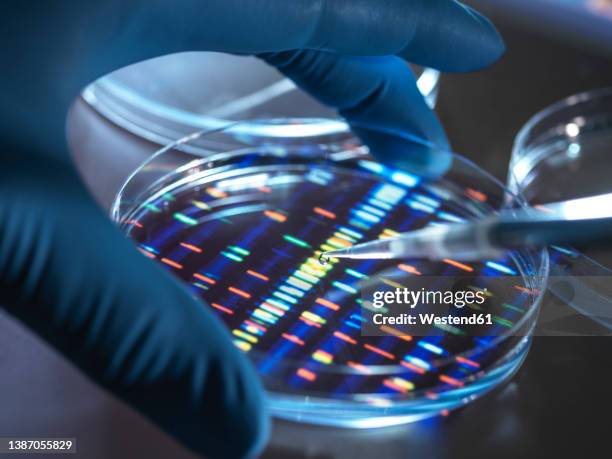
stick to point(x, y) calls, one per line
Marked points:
point(275, 216)
point(379, 351)
point(152, 208)
point(501, 268)
point(504, 322)
point(413, 367)
point(191, 247)
point(215, 193)
point(395, 332)
point(426, 200)
point(399, 384)
point(484, 291)
point(388, 233)
point(306, 277)
point(378, 203)
point(252, 330)
point(359, 367)
point(373, 210)
point(327, 304)
point(278, 304)
point(417, 362)
point(322, 357)
point(450, 380)
point(254, 325)
point(222, 308)
point(245, 336)
point(338, 243)
point(149, 249)
point(392, 283)
point(450, 217)
point(292, 291)
point(264, 315)
point(389, 193)
point(416, 205)
point(357, 274)
point(345, 287)
point(309, 322)
point(232, 256)
point(185, 219)
point(306, 374)
point(239, 292)
point(135, 223)
point(324, 212)
point(204, 278)
point(243, 345)
point(403, 178)
point(296, 241)
point(350, 232)
point(200, 205)
point(565, 251)
point(285, 297)
point(146, 253)
point(475, 194)
point(366, 216)
point(513, 307)
point(345, 237)
point(431, 347)
point(239, 250)
point(314, 317)
point(271, 309)
point(313, 271)
point(377, 168)
point(305, 286)
point(409, 269)
point(526, 290)
point(172, 263)
point(293, 339)
point(468, 362)
point(344, 337)
point(258, 275)
point(459, 265)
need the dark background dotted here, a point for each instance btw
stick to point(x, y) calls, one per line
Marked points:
point(556, 406)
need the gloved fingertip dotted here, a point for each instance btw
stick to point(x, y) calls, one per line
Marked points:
point(426, 160)
point(484, 39)
point(453, 37)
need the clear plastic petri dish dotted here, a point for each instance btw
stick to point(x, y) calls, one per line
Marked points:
point(166, 98)
point(563, 152)
point(242, 219)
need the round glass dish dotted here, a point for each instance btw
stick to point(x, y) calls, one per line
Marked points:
point(563, 152)
point(243, 219)
point(166, 98)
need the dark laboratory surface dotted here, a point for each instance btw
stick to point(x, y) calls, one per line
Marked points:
point(553, 407)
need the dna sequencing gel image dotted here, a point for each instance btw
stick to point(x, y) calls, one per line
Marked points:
point(249, 244)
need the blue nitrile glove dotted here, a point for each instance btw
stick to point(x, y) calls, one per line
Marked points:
point(70, 275)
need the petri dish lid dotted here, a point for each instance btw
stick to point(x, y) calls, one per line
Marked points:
point(166, 98)
point(243, 221)
point(563, 152)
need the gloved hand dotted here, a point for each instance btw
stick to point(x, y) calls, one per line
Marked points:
point(68, 274)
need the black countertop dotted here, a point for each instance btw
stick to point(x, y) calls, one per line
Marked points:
point(553, 407)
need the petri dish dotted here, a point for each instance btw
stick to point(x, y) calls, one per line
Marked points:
point(563, 152)
point(166, 98)
point(242, 219)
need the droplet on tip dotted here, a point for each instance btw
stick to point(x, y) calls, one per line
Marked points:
point(323, 259)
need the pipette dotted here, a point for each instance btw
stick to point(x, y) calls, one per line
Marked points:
point(584, 220)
